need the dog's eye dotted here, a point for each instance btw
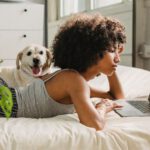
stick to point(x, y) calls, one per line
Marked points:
point(41, 52)
point(29, 53)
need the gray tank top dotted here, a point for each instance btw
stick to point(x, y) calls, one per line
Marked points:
point(34, 101)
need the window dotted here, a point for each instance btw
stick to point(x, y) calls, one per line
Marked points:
point(68, 7)
point(103, 3)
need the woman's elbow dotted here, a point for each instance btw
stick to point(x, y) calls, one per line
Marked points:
point(99, 128)
point(116, 96)
point(98, 124)
point(120, 96)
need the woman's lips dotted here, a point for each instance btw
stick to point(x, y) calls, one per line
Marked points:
point(114, 66)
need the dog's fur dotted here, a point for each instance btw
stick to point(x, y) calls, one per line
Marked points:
point(32, 62)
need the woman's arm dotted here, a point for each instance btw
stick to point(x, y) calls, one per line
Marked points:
point(79, 91)
point(115, 89)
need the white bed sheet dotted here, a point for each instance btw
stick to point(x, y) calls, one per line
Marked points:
point(66, 133)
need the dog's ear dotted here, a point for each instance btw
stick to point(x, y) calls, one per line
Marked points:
point(19, 57)
point(48, 60)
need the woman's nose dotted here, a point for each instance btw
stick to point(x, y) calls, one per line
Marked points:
point(117, 58)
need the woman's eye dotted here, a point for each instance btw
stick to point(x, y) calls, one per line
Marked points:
point(29, 54)
point(41, 52)
point(112, 51)
point(120, 50)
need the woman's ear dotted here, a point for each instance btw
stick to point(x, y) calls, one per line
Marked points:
point(18, 59)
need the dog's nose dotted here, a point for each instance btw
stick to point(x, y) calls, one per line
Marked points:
point(36, 61)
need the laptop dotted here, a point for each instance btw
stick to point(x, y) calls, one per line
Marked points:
point(134, 108)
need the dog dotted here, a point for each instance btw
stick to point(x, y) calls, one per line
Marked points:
point(32, 62)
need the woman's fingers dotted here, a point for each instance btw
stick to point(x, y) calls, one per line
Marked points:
point(117, 106)
point(104, 100)
point(109, 104)
point(98, 105)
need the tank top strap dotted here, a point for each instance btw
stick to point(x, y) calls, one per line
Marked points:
point(54, 74)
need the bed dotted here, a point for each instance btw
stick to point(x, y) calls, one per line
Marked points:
point(66, 133)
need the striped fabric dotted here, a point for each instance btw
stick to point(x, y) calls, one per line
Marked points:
point(15, 105)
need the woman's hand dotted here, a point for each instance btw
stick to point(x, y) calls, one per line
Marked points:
point(107, 105)
point(116, 90)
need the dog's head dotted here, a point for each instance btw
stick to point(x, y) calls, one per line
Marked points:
point(35, 60)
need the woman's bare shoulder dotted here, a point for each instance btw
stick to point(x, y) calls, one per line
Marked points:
point(71, 76)
point(69, 81)
point(70, 72)
point(65, 73)
point(65, 76)
point(74, 81)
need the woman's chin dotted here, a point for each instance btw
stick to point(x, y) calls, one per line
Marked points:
point(109, 73)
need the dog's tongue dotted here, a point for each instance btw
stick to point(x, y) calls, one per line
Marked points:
point(35, 70)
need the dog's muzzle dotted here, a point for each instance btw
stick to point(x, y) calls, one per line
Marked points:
point(36, 66)
point(36, 61)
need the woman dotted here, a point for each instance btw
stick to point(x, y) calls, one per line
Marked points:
point(85, 46)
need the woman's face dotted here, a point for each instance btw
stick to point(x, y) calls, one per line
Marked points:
point(107, 65)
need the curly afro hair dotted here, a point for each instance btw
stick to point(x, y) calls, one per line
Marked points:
point(84, 39)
